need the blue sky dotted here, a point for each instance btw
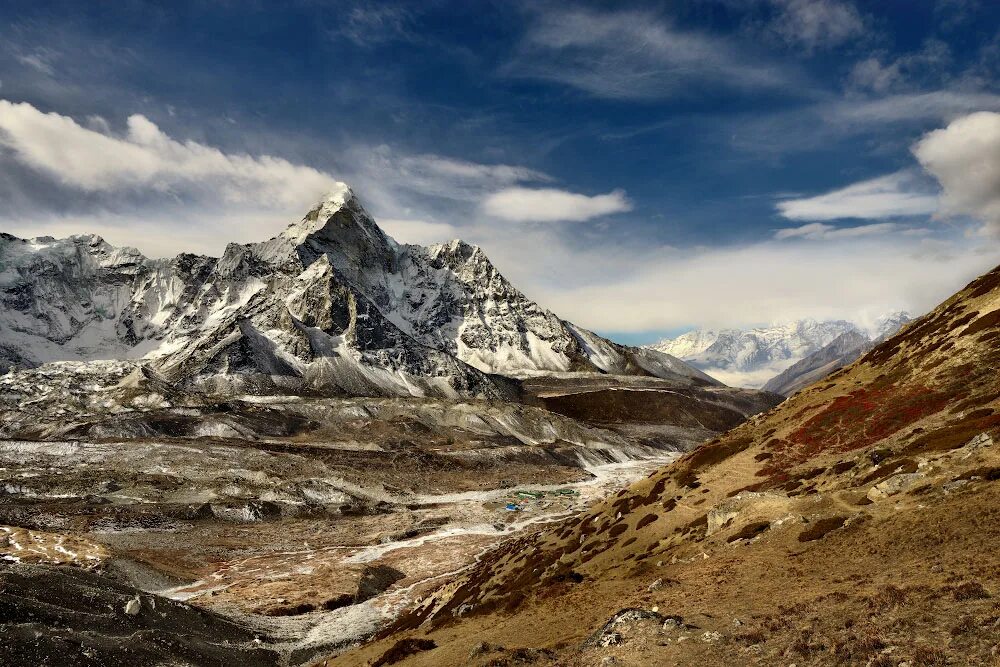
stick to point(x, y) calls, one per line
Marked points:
point(640, 168)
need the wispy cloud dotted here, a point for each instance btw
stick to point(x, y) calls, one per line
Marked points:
point(894, 195)
point(634, 55)
point(816, 24)
point(40, 59)
point(422, 232)
point(818, 231)
point(552, 205)
point(895, 118)
point(883, 73)
point(370, 26)
point(617, 285)
point(437, 175)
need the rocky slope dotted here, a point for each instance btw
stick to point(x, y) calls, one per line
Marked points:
point(56, 616)
point(748, 358)
point(842, 351)
point(856, 523)
point(330, 305)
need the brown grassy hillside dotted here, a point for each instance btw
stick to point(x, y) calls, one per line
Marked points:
point(856, 523)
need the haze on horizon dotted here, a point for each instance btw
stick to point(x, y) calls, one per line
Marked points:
point(640, 170)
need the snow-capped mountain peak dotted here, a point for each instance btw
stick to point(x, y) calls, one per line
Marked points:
point(317, 218)
point(889, 324)
point(332, 304)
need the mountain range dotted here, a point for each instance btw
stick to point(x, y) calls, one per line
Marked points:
point(331, 305)
point(753, 357)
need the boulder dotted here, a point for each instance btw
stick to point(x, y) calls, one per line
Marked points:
point(893, 485)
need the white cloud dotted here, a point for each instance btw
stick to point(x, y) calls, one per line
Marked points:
point(633, 55)
point(818, 231)
point(816, 23)
point(145, 157)
point(888, 196)
point(421, 232)
point(551, 205)
point(965, 158)
point(630, 289)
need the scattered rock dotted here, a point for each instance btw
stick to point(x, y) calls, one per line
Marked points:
point(893, 485)
point(608, 635)
point(376, 579)
point(132, 606)
point(260, 510)
point(819, 529)
point(484, 648)
point(749, 531)
point(973, 446)
point(673, 623)
point(954, 486)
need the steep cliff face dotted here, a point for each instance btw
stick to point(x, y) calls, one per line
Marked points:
point(332, 304)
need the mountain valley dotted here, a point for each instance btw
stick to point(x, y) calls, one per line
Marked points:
point(299, 438)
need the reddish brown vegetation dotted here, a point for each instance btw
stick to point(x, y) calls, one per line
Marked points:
point(857, 420)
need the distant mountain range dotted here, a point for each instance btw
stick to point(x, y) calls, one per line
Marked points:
point(757, 357)
point(843, 350)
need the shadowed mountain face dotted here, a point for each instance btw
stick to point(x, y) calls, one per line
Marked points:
point(331, 305)
point(860, 497)
point(60, 616)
